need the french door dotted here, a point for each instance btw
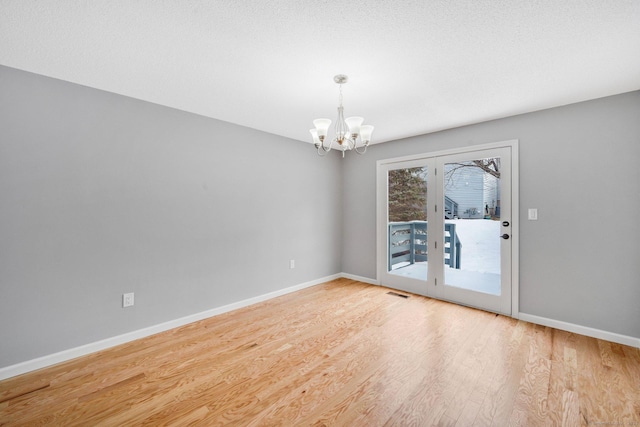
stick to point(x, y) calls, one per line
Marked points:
point(445, 226)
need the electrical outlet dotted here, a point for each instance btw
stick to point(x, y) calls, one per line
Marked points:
point(292, 263)
point(127, 300)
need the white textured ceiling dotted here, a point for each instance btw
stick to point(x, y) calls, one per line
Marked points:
point(415, 66)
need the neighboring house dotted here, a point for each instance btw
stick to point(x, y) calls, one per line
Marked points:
point(473, 192)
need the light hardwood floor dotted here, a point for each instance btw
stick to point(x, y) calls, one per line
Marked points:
point(342, 353)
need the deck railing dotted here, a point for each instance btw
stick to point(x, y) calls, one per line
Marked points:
point(450, 208)
point(408, 243)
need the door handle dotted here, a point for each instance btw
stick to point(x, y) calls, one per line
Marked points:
point(505, 236)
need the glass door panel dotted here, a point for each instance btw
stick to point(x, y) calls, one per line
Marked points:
point(404, 238)
point(472, 224)
point(476, 194)
point(407, 223)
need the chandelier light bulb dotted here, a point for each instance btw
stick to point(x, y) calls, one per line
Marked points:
point(322, 127)
point(354, 124)
point(316, 139)
point(365, 133)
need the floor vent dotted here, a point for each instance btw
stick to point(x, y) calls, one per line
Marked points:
point(398, 295)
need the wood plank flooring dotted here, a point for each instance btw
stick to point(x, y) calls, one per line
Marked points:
point(342, 353)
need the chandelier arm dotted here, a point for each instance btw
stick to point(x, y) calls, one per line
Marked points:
point(363, 151)
point(322, 150)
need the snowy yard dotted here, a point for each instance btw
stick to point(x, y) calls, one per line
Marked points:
point(480, 240)
point(480, 258)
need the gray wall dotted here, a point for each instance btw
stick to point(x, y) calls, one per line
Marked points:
point(102, 194)
point(580, 166)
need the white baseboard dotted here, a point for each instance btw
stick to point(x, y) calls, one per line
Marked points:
point(360, 278)
point(65, 355)
point(582, 330)
point(72, 353)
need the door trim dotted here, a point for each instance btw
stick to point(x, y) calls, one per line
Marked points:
point(381, 208)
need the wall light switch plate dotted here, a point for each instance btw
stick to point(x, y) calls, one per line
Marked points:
point(533, 214)
point(292, 263)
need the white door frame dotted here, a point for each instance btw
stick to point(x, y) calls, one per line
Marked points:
point(412, 161)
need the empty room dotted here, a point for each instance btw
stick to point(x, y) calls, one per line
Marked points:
point(389, 213)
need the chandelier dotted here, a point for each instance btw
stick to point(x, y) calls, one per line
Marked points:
point(347, 130)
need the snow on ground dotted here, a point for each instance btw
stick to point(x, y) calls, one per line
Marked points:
point(480, 240)
point(479, 259)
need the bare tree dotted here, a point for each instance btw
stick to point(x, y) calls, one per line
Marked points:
point(489, 165)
